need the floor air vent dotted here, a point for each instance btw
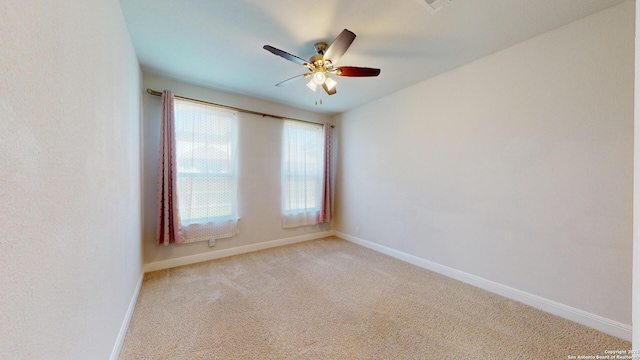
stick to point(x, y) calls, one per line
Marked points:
point(435, 5)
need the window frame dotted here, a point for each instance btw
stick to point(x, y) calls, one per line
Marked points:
point(232, 215)
point(315, 177)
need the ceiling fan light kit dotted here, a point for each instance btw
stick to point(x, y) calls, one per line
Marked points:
point(319, 77)
point(322, 64)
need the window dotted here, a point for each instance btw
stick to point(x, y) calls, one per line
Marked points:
point(206, 158)
point(302, 164)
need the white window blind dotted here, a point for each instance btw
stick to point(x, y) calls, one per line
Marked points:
point(206, 156)
point(302, 163)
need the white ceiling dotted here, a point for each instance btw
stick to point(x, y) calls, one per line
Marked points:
point(218, 43)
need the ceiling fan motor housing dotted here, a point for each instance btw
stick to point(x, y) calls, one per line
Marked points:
point(319, 64)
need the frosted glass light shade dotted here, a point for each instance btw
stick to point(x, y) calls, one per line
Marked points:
point(319, 78)
point(312, 85)
point(330, 83)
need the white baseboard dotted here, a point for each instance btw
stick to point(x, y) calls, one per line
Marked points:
point(115, 353)
point(192, 259)
point(593, 321)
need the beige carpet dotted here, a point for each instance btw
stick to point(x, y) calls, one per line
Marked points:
point(330, 299)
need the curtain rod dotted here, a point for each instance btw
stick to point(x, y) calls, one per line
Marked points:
point(159, 93)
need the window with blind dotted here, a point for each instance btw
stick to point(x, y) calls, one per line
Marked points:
point(206, 157)
point(302, 164)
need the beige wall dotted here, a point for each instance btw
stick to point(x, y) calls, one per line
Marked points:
point(258, 168)
point(516, 168)
point(636, 192)
point(70, 187)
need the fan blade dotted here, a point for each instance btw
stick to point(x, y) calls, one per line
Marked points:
point(339, 46)
point(326, 88)
point(356, 71)
point(285, 55)
point(282, 83)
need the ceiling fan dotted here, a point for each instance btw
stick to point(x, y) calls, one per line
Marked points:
point(323, 63)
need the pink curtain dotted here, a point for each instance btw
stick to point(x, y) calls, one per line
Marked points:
point(325, 206)
point(169, 229)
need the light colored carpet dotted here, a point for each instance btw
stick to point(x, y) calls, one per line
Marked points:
point(331, 299)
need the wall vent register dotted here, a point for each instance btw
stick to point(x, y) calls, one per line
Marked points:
point(435, 5)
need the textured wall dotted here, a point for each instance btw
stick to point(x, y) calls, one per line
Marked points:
point(258, 168)
point(516, 168)
point(636, 195)
point(70, 253)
